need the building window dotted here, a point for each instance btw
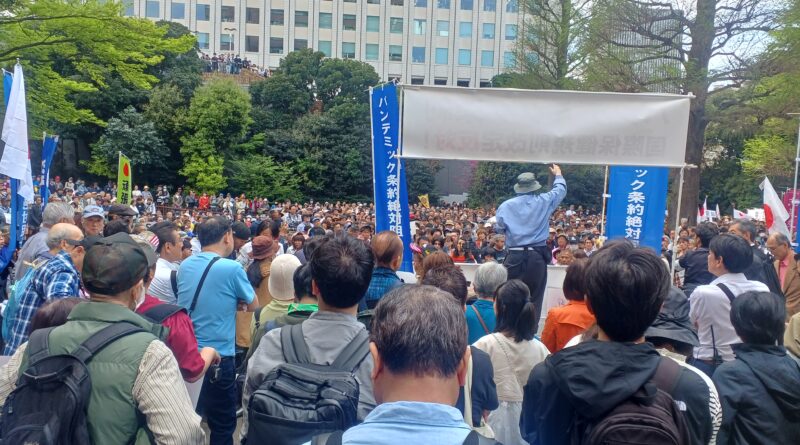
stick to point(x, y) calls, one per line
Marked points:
point(372, 51)
point(373, 23)
point(276, 17)
point(512, 6)
point(487, 58)
point(252, 15)
point(442, 28)
point(397, 2)
point(276, 45)
point(152, 9)
point(418, 54)
point(421, 3)
point(203, 12)
point(396, 25)
point(508, 60)
point(417, 80)
point(202, 40)
point(226, 42)
point(301, 19)
point(128, 8)
point(419, 27)
point(251, 44)
point(440, 81)
point(325, 47)
point(443, 4)
point(488, 30)
point(490, 5)
point(227, 14)
point(464, 56)
point(511, 32)
point(465, 29)
point(348, 50)
point(395, 53)
point(300, 44)
point(178, 11)
point(466, 5)
point(374, 2)
point(486, 83)
point(349, 22)
point(462, 83)
point(441, 56)
point(325, 21)
point(349, 1)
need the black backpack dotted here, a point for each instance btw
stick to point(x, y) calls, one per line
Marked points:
point(644, 418)
point(160, 312)
point(48, 407)
point(300, 399)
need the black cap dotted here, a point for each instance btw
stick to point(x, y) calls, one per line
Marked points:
point(113, 264)
point(673, 322)
point(120, 209)
point(240, 230)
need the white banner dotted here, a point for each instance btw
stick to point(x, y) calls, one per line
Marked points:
point(570, 127)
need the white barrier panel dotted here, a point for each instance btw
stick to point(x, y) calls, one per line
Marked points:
point(572, 127)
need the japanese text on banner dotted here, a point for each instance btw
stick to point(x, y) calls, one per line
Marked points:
point(637, 205)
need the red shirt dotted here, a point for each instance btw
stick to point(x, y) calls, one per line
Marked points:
point(181, 339)
point(205, 202)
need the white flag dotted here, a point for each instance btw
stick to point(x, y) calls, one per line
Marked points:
point(775, 213)
point(718, 215)
point(15, 162)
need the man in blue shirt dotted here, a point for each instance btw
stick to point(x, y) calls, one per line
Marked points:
point(416, 381)
point(224, 288)
point(525, 221)
point(480, 314)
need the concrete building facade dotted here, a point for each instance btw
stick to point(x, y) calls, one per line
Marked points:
point(431, 42)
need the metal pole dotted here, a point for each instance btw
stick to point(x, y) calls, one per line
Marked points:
point(794, 189)
point(605, 200)
point(677, 227)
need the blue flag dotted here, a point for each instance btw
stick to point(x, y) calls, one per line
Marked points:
point(48, 150)
point(637, 205)
point(388, 171)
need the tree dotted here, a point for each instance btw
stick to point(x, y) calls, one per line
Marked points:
point(74, 46)
point(182, 69)
point(216, 122)
point(493, 182)
point(257, 175)
point(689, 35)
point(131, 134)
point(421, 179)
point(552, 49)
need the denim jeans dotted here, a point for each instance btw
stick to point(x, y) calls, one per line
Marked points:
point(218, 403)
point(707, 369)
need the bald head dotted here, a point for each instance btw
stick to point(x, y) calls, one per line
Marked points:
point(388, 249)
point(59, 234)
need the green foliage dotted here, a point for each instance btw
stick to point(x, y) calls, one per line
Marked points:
point(421, 179)
point(493, 182)
point(220, 113)
point(584, 185)
point(138, 139)
point(75, 46)
point(182, 69)
point(257, 175)
point(205, 173)
point(771, 156)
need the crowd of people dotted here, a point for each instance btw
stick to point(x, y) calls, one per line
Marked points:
point(231, 64)
point(299, 328)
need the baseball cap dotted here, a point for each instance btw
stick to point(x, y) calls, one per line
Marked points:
point(121, 209)
point(240, 230)
point(113, 264)
point(90, 211)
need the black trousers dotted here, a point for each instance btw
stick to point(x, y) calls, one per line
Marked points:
point(530, 266)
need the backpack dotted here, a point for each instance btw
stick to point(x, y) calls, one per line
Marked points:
point(300, 399)
point(160, 312)
point(12, 307)
point(48, 406)
point(646, 417)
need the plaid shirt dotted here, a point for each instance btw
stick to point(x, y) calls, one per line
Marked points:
point(56, 279)
point(383, 280)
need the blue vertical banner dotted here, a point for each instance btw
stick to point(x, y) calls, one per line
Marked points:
point(637, 204)
point(48, 151)
point(388, 170)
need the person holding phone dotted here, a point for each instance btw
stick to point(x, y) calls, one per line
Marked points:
point(525, 222)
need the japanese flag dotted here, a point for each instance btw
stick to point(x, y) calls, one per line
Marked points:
point(738, 214)
point(775, 213)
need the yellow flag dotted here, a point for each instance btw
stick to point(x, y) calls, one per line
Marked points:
point(423, 199)
point(124, 180)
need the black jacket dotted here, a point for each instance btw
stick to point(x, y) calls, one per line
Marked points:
point(695, 263)
point(760, 395)
point(763, 270)
point(590, 379)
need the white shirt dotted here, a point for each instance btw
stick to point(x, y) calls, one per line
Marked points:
point(161, 286)
point(709, 307)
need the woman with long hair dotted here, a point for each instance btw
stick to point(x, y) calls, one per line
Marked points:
point(514, 352)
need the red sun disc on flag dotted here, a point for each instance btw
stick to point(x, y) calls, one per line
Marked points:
point(768, 216)
point(126, 170)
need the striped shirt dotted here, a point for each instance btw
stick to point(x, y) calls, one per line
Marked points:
point(158, 391)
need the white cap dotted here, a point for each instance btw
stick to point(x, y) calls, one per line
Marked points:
point(281, 274)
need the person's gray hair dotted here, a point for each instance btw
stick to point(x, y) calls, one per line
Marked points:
point(55, 212)
point(497, 238)
point(745, 225)
point(488, 278)
point(57, 234)
point(781, 239)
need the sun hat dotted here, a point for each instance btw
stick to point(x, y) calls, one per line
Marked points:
point(281, 274)
point(526, 183)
